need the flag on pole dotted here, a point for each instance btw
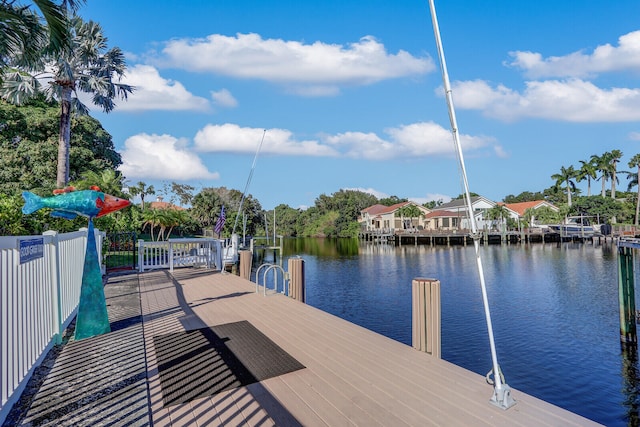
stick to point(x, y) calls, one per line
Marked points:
point(220, 222)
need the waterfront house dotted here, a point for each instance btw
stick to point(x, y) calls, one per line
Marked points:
point(161, 204)
point(456, 211)
point(391, 218)
point(521, 208)
point(444, 220)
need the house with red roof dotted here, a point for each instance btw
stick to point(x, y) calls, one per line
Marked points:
point(160, 204)
point(521, 208)
point(390, 218)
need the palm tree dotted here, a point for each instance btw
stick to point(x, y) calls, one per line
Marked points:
point(109, 181)
point(24, 35)
point(141, 190)
point(410, 211)
point(151, 218)
point(587, 171)
point(566, 176)
point(84, 66)
point(175, 218)
point(498, 212)
point(635, 163)
point(614, 158)
point(601, 164)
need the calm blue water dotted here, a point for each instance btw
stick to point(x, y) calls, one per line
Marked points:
point(554, 310)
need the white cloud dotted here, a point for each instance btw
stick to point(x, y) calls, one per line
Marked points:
point(410, 141)
point(153, 92)
point(372, 191)
point(604, 58)
point(634, 136)
point(317, 69)
point(571, 100)
point(161, 157)
point(224, 98)
point(235, 139)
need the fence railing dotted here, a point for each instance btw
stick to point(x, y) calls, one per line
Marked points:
point(40, 281)
point(180, 253)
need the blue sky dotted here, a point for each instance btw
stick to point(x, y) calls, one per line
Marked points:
point(350, 93)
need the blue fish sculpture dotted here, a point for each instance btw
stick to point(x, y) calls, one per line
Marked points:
point(69, 203)
point(92, 318)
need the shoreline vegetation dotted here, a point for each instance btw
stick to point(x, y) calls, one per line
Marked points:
point(29, 163)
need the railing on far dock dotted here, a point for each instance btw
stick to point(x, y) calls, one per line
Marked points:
point(180, 253)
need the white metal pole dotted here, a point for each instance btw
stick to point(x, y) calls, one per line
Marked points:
point(246, 187)
point(501, 395)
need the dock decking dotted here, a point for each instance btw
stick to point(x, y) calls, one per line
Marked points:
point(352, 376)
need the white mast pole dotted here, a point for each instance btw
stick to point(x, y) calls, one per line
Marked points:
point(501, 396)
point(246, 187)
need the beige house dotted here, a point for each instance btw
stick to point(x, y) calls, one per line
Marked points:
point(454, 215)
point(444, 220)
point(390, 218)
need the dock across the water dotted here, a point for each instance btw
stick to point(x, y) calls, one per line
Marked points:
point(196, 347)
point(454, 238)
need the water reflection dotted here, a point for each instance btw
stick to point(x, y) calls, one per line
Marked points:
point(323, 247)
point(631, 382)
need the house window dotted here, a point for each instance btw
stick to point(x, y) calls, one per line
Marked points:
point(445, 222)
point(454, 222)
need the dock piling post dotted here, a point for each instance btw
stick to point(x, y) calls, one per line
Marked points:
point(626, 294)
point(426, 315)
point(296, 277)
point(246, 258)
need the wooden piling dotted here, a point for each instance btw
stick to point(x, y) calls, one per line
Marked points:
point(296, 279)
point(426, 315)
point(626, 294)
point(246, 258)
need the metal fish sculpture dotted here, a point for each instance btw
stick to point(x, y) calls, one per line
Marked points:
point(69, 203)
point(92, 317)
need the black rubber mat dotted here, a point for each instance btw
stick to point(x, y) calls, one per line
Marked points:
point(206, 361)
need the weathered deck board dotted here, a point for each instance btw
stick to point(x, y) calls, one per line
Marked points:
point(353, 376)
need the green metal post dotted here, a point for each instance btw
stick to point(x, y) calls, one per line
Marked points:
point(626, 293)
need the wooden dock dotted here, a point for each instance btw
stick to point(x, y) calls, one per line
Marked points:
point(352, 376)
point(463, 238)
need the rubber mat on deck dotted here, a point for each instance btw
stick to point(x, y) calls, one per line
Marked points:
point(206, 361)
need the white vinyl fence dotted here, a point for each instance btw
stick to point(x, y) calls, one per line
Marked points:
point(40, 280)
point(180, 253)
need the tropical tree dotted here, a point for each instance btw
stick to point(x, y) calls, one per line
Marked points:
point(24, 34)
point(109, 181)
point(141, 189)
point(206, 207)
point(151, 218)
point(409, 211)
point(587, 171)
point(605, 209)
point(28, 147)
point(183, 191)
point(176, 218)
point(498, 213)
point(602, 165)
point(566, 176)
point(84, 65)
point(633, 177)
point(614, 158)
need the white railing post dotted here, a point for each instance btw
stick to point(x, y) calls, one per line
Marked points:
point(54, 274)
point(141, 255)
point(170, 256)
